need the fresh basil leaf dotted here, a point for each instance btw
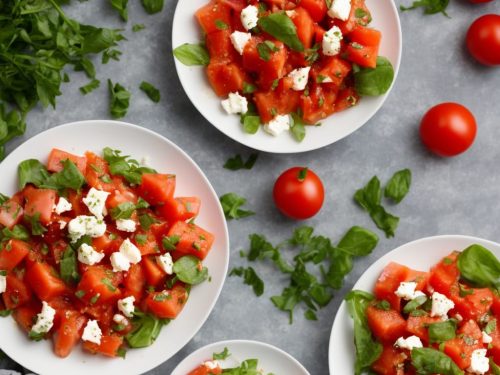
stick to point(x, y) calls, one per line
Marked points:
point(442, 331)
point(490, 327)
point(69, 177)
point(152, 92)
point(146, 221)
point(384, 221)
point(265, 49)
point(18, 232)
point(251, 123)
point(262, 249)
point(91, 86)
point(287, 301)
point(3, 314)
point(432, 361)
point(374, 81)
point(281, 27)
point(248, 88)
point(398, 186)
point(370, 195)
point(138, 27)
point(119, 100)
point(123, 165)
point(495, 369)
point(236, 163)
point(430, 6)
point(145, 331)
point(251, 278)
point(383, 305)
point(121, 7)
point(152, 6)
point(358, 241)
point(192, 54)
point(297, 127)
point(123, 211)
point(37, 229)
point(310, 315)
point(222, 355)
point(367, 349)
point(231, 204)
point(414, 304)
point(31, 171)
point(97, 40)
point(479, 266)
point(188, 270)
point(110, 54)
point(170, 242)
point(221, 25)
point(302, 235)
point(340, 265)
point(68, 267)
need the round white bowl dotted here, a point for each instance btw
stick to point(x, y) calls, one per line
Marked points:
point(271, 359)
point(420, 255)
point(164, 156)
point(194, 81)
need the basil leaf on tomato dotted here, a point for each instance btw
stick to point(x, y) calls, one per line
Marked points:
point(188, 269)
point(280, 26)
point(432, 361)
point(442, 331)
point(146, 329)
point(479, 266)
point(374, 81)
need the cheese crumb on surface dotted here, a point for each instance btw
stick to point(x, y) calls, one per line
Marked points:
point(278, 125)
point(300, 78)
point(119, 262)
point(479, 362)
point(441, 305)
point(166, 263)
point(62, 206)
point(45, 319)
point(126, 306)
point(340, 9)
point(331, 41)
point(85, 225)
point(96, 202)
point(92, 332)
point(130, 251)
point(408, 343)
point(235, 103)
point(211, 365)
point(88, 255)
point(487, 339)
point(119, 319)
point(3, 283)
point(406, 290)
point(249, 17)
point(240, 40)
point(126, 225)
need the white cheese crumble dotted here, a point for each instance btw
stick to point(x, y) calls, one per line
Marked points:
point(45, 319)
point(166, 263)
point(3, 283)
point(278, 125)
point(340, 9)
point(441, 305)
point(300, 77)
point(62, 206)
point(291, 13)
point(62, 224)
point(126, 225)
point(235, 103)
point(126, 306)
point(85, 225)
point(211, 365)
point(130, 251)
point(119, 262)
point(331, 41)
point(92, 332)
point(87, 255)
point(240, 40)
point(408, 343)
point(406, 290)
point(96, 202)
point(119, 319)
point(249, 17)
point(479, 362)
point(487, 339)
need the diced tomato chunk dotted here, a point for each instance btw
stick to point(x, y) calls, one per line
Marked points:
point(347, 98)
point(96, 171)
point(304, 24)
point(57, 156)
point(386, 325)
point(364, 56)
point(134, 282)
point(11, 213)
point(44, 281)
point(25, 315)
point(471, 303)
point(388, 282)
point(225, 78)
point(211, 14)
point(418, 326)
point(41, 202)
point(445, 274)
point(205, 370)
point(108, 347)
point(316, 8)
point(319, 104)
point(220, 47)
point(17, 293)
point(157, 188)
point(359, 16)
point(12, 253)
point(390, 361)
point(167, 305)
point(183, 208)
point(459, 349)
point(100, 285)
point(334, 68)
point(192, 239)
point(154, 274)
point(281, 101)
point(69, 332)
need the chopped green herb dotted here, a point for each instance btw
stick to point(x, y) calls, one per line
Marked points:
point(91, 86)
point(222, 355)
point(251, 278)
point(119, 100)
point(231, 204)
point(138, 27)
point(169, 243)
point(192, 54)
point(152, 92)
point(236, 163)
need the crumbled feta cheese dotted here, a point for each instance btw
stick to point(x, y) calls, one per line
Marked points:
point(119, 262)
point(62, 206)
point(126, 225)
point(92, 332)
point(406, 290)
point(85, 225)
point(235, 103)
point(340, 9)
point(126, 306)
point(96, 202)
point(119, 319)
point(441, 305)
point(291, 13)
point(479, 362)
point(240, 40)
point(278, 125)
point(45, 319)
point(3, 283)
point(331, 41)
point(166, 263)
point(62, 224)
point(408, 343)
point(211, 365)
point(327, 80)
point(249, 17)
point(87, 255)
point(487, 339)
point(130, 251)
point(300, 77)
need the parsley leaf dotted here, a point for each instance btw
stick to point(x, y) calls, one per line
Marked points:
point(69, 266)
point(231, 204)
point(251, 278)
point(236, 163)
point(119, 100)
point(138, 27)
point(398, 186)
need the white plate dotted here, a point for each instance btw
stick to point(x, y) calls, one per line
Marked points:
point(420, 255)
point(193, 79)
point(164, 156)
point(271, 359)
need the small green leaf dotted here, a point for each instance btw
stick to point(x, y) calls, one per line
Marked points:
point(251, 278)
point(398, 186)
point(192, 54)
point(119, 100)
point(231, 204)
point(152, 92)
point(280, 26)
point(188, 269)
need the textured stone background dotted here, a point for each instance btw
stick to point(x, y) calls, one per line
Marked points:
point(456, 196)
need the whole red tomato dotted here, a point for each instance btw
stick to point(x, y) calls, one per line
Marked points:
point(448, 129)
point(298, 193)
point(483, 39)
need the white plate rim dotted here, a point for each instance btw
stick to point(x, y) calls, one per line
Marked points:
point(62, 127)
point(381, 262)
point(304, 146)
point(210, 348)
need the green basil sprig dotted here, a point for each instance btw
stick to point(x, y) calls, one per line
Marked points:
point(398, 186)
point(479, 266)
point(432, 361)
point(31, 171)
point(188, 270)
point(192, 54)
point(374, 81)
point(146, 329)
point(280, 26)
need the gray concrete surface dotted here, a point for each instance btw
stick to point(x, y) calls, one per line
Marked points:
point(448, 196)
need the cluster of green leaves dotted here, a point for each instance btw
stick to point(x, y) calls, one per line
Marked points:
point(231, 203)
point(37, 42)
point(331, 262)
point(126, 209)
point(123, 165)
point(145, 331)
point(369, 198)
point(236, 163)
point(429, 6)
point(31, 171)
point(247, 367)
